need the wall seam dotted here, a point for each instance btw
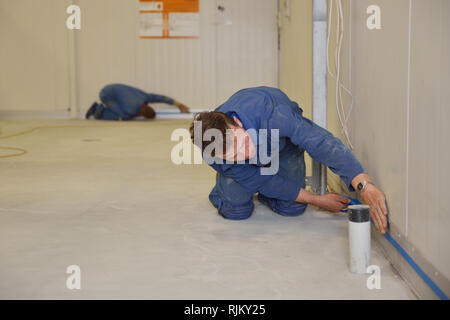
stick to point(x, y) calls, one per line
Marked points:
point(73, 69)
point(408, 105)
point(350, 26)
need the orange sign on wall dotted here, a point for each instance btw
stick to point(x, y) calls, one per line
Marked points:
point(169, 19)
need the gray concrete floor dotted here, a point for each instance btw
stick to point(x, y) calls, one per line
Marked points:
point(106, 197)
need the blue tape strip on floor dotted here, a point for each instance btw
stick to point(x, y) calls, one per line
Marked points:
point(416, 267)
point(410, 260)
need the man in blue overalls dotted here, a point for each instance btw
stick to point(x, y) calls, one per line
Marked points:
point(240, 169)
point(122, 102)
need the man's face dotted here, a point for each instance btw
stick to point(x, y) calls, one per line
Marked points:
point(239, 145)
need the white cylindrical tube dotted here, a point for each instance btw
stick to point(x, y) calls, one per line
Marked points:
point(359, 237)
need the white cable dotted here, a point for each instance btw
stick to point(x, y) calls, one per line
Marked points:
point(341, 16)
point(341, 29)
point(341, 37)
point(339, 103)
point(328, 44)
point(338, 32)
point(338, 72)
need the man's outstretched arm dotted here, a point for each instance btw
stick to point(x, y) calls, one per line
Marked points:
point(335, 203)
point(330, 151)
point(164, 99)
point(278, 187)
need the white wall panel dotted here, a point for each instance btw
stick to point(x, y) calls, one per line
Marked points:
point(199, 72)
point(33, 55)
point(429, 154)
point(247, 50)
point(182, 68)
point(296, 56)
point(379, 81)
point(110, 50)
point(106, 47)
point(401, 81)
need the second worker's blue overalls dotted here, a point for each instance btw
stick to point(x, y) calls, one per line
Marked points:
point(122, 102)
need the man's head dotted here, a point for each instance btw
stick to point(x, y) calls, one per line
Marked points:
point(147, 111)
point(234, 143)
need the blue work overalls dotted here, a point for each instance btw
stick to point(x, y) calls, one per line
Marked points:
point(122, 102)
point(269, 108)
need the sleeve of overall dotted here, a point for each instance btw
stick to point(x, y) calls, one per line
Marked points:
point(321, 145)
point(159, 98)
point(272, 186)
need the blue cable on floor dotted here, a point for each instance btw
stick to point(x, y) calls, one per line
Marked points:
point(408, 259)
point(416, 267)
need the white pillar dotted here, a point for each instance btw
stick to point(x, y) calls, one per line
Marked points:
point(319, 101)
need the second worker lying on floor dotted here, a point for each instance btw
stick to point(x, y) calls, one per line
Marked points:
point(122, 102)
point(241, 169)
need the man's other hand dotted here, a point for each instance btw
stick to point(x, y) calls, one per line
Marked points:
point(183, 108)
point(331, 202)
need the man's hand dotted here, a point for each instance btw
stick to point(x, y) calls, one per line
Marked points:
point(373, 197)
point(182, 107)
point(331, 202)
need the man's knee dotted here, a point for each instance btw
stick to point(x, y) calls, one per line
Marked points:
point(231, 200)
point(284, 208)
point(290, 210)
point(236, 211)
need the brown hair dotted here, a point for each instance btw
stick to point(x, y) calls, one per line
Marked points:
point(148, 112)
point(212, 120)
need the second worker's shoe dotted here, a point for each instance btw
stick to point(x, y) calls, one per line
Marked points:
point(91, 110)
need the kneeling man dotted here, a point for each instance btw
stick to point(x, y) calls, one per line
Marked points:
point(122, 102)
point(243, 169)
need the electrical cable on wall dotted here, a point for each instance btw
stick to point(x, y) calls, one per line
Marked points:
point(343, 118)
